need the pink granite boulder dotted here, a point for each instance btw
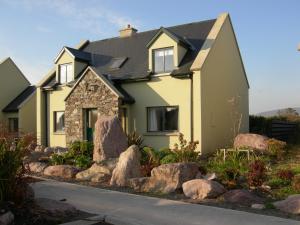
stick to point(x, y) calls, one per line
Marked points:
point(253, 141)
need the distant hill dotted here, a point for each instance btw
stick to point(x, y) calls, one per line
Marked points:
point(275, 112)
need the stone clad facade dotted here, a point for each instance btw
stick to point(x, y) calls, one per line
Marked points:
point(90, 92)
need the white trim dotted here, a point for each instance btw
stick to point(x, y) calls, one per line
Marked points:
point(101, 77)
point(61, 53)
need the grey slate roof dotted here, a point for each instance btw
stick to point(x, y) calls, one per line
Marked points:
point(81, 55)
point(14, 105)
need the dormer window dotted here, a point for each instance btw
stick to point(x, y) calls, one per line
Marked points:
point(65, 73)
point(163, 60)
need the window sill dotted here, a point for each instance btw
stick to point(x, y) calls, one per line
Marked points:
point(59, 133)
point(175, 133)
point(161, 74)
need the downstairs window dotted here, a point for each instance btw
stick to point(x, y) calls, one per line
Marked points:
point(162, 119)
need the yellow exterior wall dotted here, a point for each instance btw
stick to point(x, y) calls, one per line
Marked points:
point(164, 41)
point(40, 117)
point(56, 103)
point(12, 83)
point(222, 79)
point(27, 115)
point(160, 91)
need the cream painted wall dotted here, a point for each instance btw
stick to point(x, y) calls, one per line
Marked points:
point(160, 91)
point(164, 41)
point(27, 115)
point(12, 83)
point(40, 117)
point(56, 103)
point(222, 78)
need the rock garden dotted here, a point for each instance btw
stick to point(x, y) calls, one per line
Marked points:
point(256, 174)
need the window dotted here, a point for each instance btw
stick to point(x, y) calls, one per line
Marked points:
point(65, 73)
point(59, 121)
point(163, 60)
point(13, 125)
point(162, 119)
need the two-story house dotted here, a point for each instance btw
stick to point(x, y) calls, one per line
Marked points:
point(158, 82)
point(17, 99)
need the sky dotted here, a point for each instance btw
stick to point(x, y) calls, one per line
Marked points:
point(268, 33)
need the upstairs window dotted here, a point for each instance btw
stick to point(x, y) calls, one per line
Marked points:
point(65, 73)
point(162, 119)
point(163, 60)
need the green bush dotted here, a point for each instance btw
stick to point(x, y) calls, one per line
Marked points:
point(171, 158)
point(186, 151)
point(277, 182)
point(134, 138)
point(80, 154)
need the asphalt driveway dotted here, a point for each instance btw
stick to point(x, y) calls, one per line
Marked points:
point(143, 210)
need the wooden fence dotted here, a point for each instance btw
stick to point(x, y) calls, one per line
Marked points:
point(283, 130)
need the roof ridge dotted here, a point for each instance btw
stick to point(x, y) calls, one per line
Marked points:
point(157, 29)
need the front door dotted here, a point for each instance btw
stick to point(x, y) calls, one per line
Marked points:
point(90, 118)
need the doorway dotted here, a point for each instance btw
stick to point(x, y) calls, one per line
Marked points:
point(90, 119)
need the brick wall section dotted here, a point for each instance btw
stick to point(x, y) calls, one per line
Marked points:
point(91, 92)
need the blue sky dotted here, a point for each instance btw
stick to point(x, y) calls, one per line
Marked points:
point(268, 32)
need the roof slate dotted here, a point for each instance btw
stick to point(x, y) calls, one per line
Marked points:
point(14, 105)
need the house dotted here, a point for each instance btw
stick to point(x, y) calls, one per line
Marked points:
point(160, 82)
point(17, 99)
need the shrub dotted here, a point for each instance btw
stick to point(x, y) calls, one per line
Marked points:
point(56, 159)
point(83, 161)
point(135, 139)
point(296, 183)
point(12, 168)
point(186, 151)
point(286, 175)
point(277, 182)
point(257, 173)
point(171, 158)
point(276, 148)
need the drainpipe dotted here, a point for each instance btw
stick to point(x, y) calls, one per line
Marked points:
point(192, 107)
point(46, 118)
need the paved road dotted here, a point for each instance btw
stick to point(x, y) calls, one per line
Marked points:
point(142, 210)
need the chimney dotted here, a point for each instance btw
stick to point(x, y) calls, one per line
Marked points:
point(128, 31)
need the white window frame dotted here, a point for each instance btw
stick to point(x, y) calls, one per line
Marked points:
point(68, 73)
point(56, 129)
point(164, 65)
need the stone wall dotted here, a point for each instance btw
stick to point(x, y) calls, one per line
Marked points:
point(91, 92)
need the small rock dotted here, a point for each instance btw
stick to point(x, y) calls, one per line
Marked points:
point(290, 205)
point(201, 189)
point(7, 218)
point(55, 207)
point(49, 150)
point(37, 167)
point(242, 197)
point(127, 167)
point(100, 177)
point(257, 206)
point(63, 171)
point(210, 176)
point(39, 148)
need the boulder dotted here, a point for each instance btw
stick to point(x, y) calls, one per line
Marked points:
point(127, 167)
point(100, 178)
point(166, 178)
point(242, 197)
point(109, 138)
point(210, 176)
point(169, 177)
point(289, 205)
point(37, 167)
point(7, 218)
point(98, 171)
point(57, 150)
point(55, 207)
point(63, 171)
point(33, 157)
point(254, 141)
point(201, 189)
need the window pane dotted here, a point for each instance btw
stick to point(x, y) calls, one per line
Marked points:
point(62, 74)
point(69, 73)
point(59, 121)
point(155, 119)
point(169, 60)
point(158, 61)
point(171, 119)
point(13, 124)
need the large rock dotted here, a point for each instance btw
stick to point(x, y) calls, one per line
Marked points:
point(63, 171)
point(98, 171)
point(201, 189)
point(37, 167)
point(127, 167)
point(166, 178)
point(57, 150)
point(109, 139)
point(289, 205)
point(55, 207)
point(242, 197)
point(254, 141)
